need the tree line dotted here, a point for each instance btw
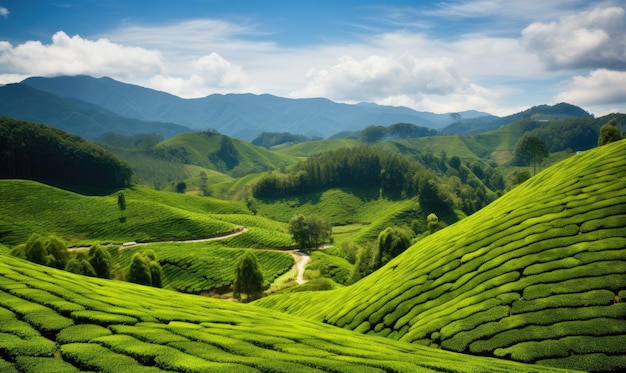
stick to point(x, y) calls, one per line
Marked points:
point(439, 183)
point(38, 152)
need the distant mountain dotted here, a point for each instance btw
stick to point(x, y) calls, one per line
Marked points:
point(539, 113)
point(239, 115)
point(24, 102)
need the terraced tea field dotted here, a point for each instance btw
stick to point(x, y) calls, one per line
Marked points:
point(54, 321)
point(538, 276)
point(204, 266)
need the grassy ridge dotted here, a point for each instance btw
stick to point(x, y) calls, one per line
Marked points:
point(54, 320)
point(29, 207)
point(537, 276)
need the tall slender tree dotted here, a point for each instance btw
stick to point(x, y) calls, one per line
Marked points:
point(248, 277)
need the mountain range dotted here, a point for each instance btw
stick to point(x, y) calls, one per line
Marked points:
point(90, 107)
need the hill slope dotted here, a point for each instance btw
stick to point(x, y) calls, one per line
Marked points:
point(23, 102)
point(52, 320)
point(537, 276)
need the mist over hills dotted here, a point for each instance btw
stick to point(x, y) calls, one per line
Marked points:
point(239, 115)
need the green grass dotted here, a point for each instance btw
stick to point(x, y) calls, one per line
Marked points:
point(171, 331)
point(544, 262)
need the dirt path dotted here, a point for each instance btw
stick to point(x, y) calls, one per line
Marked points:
point(301, 260)
point(132, 244)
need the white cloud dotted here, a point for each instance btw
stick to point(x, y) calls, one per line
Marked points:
point(592, 39)
point(210, 74)
point(421, 83)
point(75, 55)
point(4, 12)
point(602, 90)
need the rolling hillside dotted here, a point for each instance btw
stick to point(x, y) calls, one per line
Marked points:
point(54, 321)
point(29, 207)
point(538, 276)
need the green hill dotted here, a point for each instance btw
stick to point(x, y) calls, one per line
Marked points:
point(52, 320)
point(29, 207)
point(537, 276)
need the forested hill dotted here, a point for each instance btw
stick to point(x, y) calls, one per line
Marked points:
point(540, 113)
point(49, 155)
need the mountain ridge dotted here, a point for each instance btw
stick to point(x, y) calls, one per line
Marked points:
point(23, 102)
point(240, 115)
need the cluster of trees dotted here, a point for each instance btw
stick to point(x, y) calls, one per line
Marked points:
point(610, 132)
point(145, 269)
point(269, 139)
point(309, 232)
point(49, 155)
point(395, 131)
point(52, 252)
point(451, 185)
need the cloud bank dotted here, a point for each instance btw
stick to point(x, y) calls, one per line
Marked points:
point(593, 39)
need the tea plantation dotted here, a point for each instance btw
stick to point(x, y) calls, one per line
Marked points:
point(55, 321)
point(538, 276)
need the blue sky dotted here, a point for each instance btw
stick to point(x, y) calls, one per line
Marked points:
point(497, 56)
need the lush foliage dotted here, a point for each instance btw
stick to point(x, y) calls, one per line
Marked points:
point(269, 139)
point(37, 152)
point(609, 132)
point(395, 131)
point(49, 251)
point(537, 276)
point(145, 269)
point(309, 232)
point(248, 277)
point(391, 173)
point(56, 321)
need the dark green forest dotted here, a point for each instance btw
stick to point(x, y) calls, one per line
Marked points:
point(440, 184)
point(49, 155)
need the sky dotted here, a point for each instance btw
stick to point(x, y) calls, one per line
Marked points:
point(496, 56)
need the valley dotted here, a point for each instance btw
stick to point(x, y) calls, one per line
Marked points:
point(386, 248)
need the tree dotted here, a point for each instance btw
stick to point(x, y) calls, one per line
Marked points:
point(455, 162)
point(609, 132)
point(35, 249)
point(121, 202)
point(309, 232)
point(58, 255)
point(432, 222)
point(248, 277)
point(145, 269)
point(80, 265)
point(530, 150)
point(100, 260)
point(373, 133)
point(181, 187)
point(367, 258)
point(139, 270)
point(392, 242)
